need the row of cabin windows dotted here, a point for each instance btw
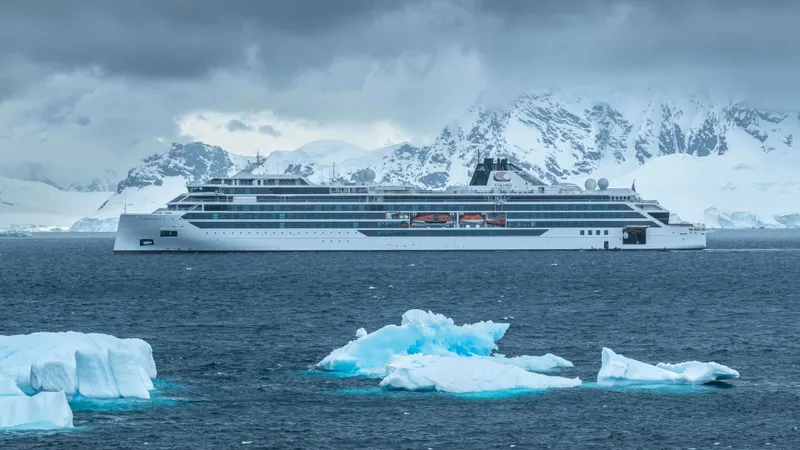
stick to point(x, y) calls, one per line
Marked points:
point(284, 216)
point(312, 194)
point(381, 215)
point(597, 232)
point(422, 207)
point(576, 215)
point(578, 224)
point(449, 232)
point(386, 224)
point(169, 233)
point(298, 224)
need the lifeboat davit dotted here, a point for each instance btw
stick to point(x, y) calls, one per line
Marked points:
point(471, 219)
point(432, 219)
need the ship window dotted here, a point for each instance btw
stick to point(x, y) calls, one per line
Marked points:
point(582, 233)
point(169, 233)
point(145, 242)
point(605, 232)
point(598, 232)
point(590, 232)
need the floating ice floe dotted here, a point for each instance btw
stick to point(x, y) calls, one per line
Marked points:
point(45, 410)
point(458, 374)
point(429, 351)
point(90, 365)
point(618, 370)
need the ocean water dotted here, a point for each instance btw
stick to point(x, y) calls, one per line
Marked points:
point(234, 336)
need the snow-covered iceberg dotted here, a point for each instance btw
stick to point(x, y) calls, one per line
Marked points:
point(458, 374)
point(618, 370)
point(427, 333)
point(90, 365)
point(45, 410)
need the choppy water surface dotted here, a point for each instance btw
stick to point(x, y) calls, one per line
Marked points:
point(234, 335)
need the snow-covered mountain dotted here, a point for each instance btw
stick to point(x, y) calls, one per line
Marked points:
point(37, 206)
point(702, 159)
point(103, 181)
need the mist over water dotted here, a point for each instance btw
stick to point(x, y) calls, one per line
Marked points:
point(234, 338)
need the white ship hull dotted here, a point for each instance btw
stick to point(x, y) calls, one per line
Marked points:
point(141, 233)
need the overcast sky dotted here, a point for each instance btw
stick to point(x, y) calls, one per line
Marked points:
point(100, 83)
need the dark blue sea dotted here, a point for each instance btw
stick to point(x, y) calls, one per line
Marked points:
point(234, 336)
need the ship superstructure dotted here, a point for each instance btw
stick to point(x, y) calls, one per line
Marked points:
point(502, 208)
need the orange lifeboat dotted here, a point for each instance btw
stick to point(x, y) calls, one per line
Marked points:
point(432, 220)
point(471, 219)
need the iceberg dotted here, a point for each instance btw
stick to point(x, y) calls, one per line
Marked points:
point(419, 332)
point(45, 410)
point(457, 374)
point(89, 365)
point(618, 370)
point(428, 351)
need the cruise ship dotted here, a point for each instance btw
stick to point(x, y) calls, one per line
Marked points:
point(503, 208)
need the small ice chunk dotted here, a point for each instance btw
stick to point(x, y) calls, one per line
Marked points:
point(45, 410)
point(8, 387)
point(458, 374)
point(54, 376)
point(95, 379)
point(360, 333)
point(618, 370)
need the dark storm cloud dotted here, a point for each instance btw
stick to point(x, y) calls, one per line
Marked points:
point(237, 125)
point(180, 39)
point(269, 130)
point(175, 38)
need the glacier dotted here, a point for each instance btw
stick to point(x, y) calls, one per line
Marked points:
point(461, 375)
point(716, 218)
point(617, 370)
point(43, 411)
point(78, 364)
point(37, 206)
point(428, 351)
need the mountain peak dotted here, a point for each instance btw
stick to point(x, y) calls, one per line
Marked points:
point(195, 161)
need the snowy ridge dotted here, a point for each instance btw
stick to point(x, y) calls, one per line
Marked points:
point(716, 218)
point(37, 206)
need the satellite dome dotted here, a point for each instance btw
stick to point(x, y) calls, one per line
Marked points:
point(590, 184)
point(603, 184)
point(368, 175)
